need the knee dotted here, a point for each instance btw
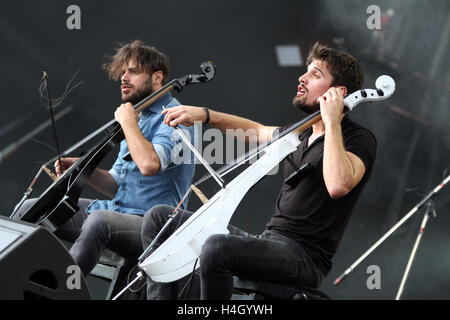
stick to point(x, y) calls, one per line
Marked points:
point(97, 222)
point(215, 251)
point(153, 221)
point(156, 216)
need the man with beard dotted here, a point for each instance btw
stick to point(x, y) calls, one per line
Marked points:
point(144, 173)
point(312, 210)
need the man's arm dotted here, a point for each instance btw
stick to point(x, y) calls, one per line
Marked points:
point(101, 180)
point(342, 170)
point(187, 115)
point(141, 150)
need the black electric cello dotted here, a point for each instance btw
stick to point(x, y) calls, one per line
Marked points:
point(59, 202)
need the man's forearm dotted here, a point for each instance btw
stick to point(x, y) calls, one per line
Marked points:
point(141, 150)
point(102, 181)
point(224, 121)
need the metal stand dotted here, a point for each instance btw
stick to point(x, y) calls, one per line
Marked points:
point(430, 211)
point(150, 246)
point(141, 274)
point(395, 227)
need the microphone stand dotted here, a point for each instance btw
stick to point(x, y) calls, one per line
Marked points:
point(395, 227)
point(140, 274)
point(430, 211)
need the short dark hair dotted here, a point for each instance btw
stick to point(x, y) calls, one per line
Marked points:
point(148, 59)
point(344, 68)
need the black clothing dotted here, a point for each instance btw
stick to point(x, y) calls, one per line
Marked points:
point(304, 211)
point(300, 239)
point(269, 257)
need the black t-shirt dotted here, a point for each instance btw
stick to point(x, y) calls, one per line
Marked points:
point(304, 209)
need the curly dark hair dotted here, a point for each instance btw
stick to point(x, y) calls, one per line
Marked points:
point(344, 68)
point(148, 59)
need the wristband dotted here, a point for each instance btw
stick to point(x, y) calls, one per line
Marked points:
point(207, 115)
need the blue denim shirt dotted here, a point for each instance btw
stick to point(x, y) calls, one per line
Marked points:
point(137, 193)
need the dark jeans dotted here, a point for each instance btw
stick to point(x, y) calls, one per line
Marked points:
point(93, 233)
point(268, 257)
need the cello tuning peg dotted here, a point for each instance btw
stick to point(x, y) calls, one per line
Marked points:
point(363, 93)
point(380, 92)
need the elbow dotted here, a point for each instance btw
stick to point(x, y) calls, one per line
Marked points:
point(337, 192)
point(150, 168)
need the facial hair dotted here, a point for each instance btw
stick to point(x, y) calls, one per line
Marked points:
point(139, 94)
point(309, 109)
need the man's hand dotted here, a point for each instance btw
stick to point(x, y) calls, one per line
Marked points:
point(65, 163)
point(100, 180)
point(185, 115)
point(332, 105)
point(188, 115)
point(126, 114)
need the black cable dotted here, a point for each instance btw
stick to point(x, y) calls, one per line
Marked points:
point(128, 281)
point(188, 283)
point(136, 266)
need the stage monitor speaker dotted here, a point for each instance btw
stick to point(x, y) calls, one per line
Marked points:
point(34, 264)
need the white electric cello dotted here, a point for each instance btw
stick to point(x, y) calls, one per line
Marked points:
point(178, 255)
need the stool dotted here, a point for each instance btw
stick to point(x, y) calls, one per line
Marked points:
point(108, 268)
point(261, 290)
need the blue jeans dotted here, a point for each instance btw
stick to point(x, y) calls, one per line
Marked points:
point(94, 232)
point(267, 257)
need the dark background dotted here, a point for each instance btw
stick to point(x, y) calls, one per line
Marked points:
point(412, 127)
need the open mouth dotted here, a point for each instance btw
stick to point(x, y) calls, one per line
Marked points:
point(301, 91)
